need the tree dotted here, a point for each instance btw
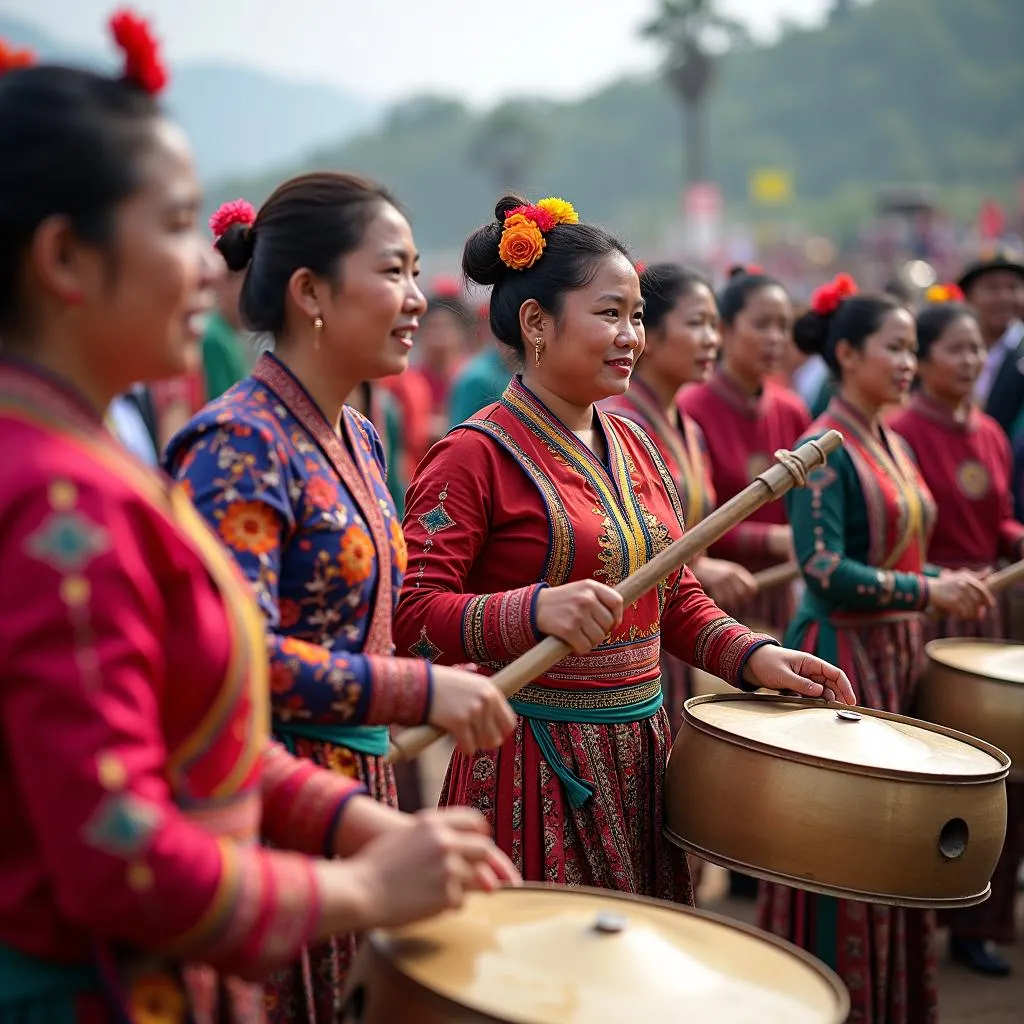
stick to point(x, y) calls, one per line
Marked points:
point(507, 145)
point(691, 31)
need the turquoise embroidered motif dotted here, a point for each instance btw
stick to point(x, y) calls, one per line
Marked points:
point(68, 541)
point(424, 648)
point(123, 824)
point(437, 519)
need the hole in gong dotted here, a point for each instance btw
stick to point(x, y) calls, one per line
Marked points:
point(953, 838)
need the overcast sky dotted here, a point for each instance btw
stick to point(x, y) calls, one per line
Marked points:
point(480, 50)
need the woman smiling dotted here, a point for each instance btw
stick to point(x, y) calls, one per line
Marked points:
point(520, 523)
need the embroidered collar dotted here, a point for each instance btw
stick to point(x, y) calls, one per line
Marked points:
point(938, 412)
point(518, 393)
point(742, 401)
point(57, 391)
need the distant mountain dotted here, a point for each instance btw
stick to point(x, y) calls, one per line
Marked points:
point(241, 121)
point(886, 93)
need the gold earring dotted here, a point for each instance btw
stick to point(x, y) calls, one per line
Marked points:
point(318, 326)
point(538, 347)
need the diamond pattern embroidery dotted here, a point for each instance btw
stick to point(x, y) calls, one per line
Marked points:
point(122, 824)
point(437, 519)
point(68, 541)
point(424, 648)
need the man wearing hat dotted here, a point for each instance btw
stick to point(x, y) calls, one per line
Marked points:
point(994, 286)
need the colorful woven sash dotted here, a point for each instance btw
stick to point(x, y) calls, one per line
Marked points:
point(540, 705)
point(363, 739)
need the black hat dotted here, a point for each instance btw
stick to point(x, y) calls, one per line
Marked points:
point(999, 259)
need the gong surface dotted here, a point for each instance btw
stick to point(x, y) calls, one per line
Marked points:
point(899, 745)
point(977, 685)
point(849, 802)
point(999, 660)
point(549, 955)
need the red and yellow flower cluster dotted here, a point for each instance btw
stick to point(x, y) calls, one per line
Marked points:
point(829, 297)
point(522, 236)
point(944, 293)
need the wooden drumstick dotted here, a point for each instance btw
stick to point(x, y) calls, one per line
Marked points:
point(789, 471)
point(1006, 577)
point(777, 575)
point(998, 581)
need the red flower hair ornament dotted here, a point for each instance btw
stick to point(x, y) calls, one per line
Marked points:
point(11, 58)
point(237, 211)
point(142, 64)
point(829, 297)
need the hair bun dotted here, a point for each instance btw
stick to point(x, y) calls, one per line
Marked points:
point(810, 332)
point(481, 262)
point(236, 246)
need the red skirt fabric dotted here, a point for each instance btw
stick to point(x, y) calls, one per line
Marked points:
point(614, 841)
point(310, 991)
point(885, 955)
point(677, 686)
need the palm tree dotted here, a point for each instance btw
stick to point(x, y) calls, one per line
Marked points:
point(690, 31)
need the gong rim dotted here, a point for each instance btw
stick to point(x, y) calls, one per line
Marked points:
point(847, 767)
point(807, 885)
point(383, 940)
point(975, 641)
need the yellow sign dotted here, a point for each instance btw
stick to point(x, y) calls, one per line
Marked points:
point(770, 186)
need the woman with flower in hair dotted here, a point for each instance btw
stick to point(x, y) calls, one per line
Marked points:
point(293, 482)
point(746, 416)
point(681, 344)
point(861, 528)
point(964, 457)
point(138, 775)
point(521, 521)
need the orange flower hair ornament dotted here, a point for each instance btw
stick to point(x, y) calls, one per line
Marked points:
point(142, 63)
point(237, 211)
point(944, 293)
point(11, 58)
point(829, 297)
point(522, 236)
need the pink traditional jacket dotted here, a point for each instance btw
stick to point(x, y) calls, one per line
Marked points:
point(137, 776)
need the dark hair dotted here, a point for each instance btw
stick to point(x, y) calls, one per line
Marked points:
point(732, 300)
point(569, 262)
point(71, 142)
point(854, 321)
point(451, 304)
point(662, 286)
point(933, 320)
point(899, 291)
point(311, 221)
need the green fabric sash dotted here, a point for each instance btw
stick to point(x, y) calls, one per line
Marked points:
point(35, 991)
point(812, 609)
point(538, 715)
point(363, 739)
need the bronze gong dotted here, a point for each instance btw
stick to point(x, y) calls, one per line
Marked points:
point(553, 955)
point(977, 686)
point(848, 802)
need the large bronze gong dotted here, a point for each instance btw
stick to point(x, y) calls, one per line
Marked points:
point(552, 955)
point(977, 686)
point(853, 803)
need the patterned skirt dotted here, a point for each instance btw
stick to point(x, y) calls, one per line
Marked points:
point(995, 918)
point(614, 841)
point(310, 991)
point(885, 955)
